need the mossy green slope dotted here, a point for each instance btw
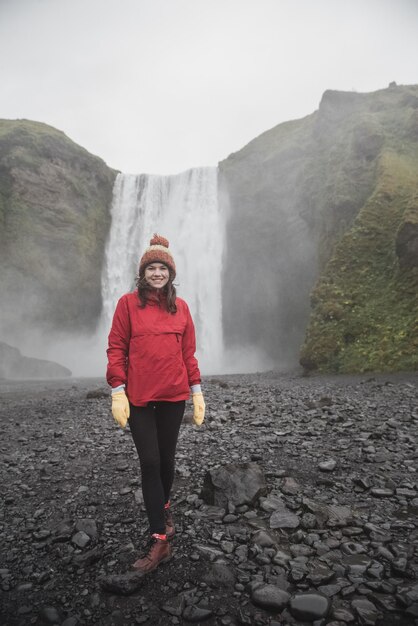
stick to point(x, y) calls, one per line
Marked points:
point(55, 202)
point(365, 305)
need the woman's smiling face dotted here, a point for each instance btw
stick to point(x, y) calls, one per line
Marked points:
point(157, 275)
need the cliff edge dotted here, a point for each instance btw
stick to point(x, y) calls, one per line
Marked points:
point(55, 202)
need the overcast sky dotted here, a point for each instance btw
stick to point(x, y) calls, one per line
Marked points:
point(159, 86)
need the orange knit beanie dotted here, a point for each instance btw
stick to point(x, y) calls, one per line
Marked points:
point(158, 252)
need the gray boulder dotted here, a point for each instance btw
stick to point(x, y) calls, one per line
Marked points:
point(270, 597)
point(234, 483)
point(309, 606)
point(123, 584)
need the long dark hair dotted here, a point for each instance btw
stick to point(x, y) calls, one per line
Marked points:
point(168, 292)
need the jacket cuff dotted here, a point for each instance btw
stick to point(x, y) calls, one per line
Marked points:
point(196, 389)
point(119, 388)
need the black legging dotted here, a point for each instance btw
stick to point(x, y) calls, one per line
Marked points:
point(155, 430)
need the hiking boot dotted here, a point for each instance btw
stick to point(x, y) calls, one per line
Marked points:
point(159, 552)
point(170, 530)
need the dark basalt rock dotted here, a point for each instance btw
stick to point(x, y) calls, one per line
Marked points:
point(366, 611)
point(309, 606)
point(234, 483)
point(95, 394)
point(220, 575)
point(283, 518)
point(123, 584)
point(88, 526)
point(195, 613)
point(174, 606)
point(50, 615)
point(270, 597)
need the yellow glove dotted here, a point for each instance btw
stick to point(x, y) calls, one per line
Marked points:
point(199, 408)
point(120, 408)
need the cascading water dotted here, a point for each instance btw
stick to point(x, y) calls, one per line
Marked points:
point(185, 209)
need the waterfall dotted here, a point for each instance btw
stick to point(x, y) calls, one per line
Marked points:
point(185, 209)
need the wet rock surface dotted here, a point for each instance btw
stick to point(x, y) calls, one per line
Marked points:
point(325, 532)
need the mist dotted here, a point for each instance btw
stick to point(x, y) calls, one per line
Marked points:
point(161, 87)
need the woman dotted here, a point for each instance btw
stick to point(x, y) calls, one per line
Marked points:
point(151, 366)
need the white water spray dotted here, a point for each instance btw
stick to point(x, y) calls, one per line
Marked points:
point(185, 209)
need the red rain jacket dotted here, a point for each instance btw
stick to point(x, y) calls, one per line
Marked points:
point(151, 351)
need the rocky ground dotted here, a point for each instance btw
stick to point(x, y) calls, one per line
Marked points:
point(328, 533)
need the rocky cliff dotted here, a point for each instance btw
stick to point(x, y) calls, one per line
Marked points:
point(54, 218)
point(15, 365)
point(328, 201)
point(322, 234)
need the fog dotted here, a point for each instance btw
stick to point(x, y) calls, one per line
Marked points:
point(85, 355)
point(159, 87)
